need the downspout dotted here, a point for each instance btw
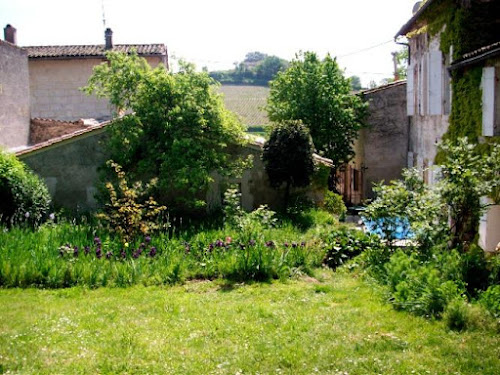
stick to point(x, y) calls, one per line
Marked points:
point(408, 117)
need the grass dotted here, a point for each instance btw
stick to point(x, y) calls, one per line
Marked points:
point(35, 259)
point(337, 325)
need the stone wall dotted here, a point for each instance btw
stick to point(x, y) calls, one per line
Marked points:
point(70, 169)
point(14, 96)
point(385, 141)
point(55, 89)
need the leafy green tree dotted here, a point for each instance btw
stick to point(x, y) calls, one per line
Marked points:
point(355, 83)
point(316, 92)
point(176, 129)
point(288, 157)
point(267, 69)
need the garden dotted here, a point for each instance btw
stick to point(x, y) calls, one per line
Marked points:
point(154, 284)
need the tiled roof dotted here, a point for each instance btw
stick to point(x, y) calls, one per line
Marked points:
point(477, 56)
point(65, 137)
point(85, 51)
point(481, 50)
point(384, 87)
point(408, 26)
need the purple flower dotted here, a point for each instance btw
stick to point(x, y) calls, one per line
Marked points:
point(303, 244)
point(86, 250)
point(286, 244)
point(294, 244)
point(142, 245)
point(98, 253)
point(219, 243)
point(123, 254)
point(75, 251)
point(97, 240)
point(135, 255)
point(251, 242)
point(152, 252)
point(270, 244)
point(147, 239)
point(109, 254)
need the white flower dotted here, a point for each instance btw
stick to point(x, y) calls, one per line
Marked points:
point(27, 214)
point(52, 216)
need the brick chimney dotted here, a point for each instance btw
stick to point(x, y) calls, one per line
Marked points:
point(108, 36)
point(9, 33)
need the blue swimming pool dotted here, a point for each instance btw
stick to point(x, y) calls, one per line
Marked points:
point(400, 227)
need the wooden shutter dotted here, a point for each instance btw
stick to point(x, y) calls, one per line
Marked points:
point(410, 91)
point(488, 88)
point(435, 86)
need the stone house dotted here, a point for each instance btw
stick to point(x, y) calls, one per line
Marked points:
point(56, 74)
point(14, 93)
point(453, 84)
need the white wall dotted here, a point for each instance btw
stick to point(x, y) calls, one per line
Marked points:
point(55, 93)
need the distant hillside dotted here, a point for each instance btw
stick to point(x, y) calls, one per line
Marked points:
point(247, 102)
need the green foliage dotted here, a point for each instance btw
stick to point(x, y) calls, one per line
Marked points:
point(412, 200)
point(355, 83)
point(315, 92)
point(125, 214)
point(334, 204)
point(23, 195)
point(177, 128)
point(288, 156)
point(467, 176)
point(257, 69)
point(456, 315)
point(345, 243)
point(490, 299)
point(419, 288)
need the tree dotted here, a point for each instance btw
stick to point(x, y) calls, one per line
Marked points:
point(355, 83)
point(315, 92)
point(176, 129)
point(267, 69)
point(288, 156)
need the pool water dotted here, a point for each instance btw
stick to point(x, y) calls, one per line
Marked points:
point(400, 227)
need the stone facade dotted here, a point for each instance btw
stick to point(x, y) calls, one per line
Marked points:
point(428, 102)
point(70, 169)
point(55, 89)
point(385, 141)
point(69, 165)
point(14, 96)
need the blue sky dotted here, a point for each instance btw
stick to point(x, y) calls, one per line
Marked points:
point(217, 33)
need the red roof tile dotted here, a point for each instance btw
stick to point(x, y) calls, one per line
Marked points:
point(85, 51)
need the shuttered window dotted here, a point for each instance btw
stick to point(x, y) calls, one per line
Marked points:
point(435, 69)
point(488, 88)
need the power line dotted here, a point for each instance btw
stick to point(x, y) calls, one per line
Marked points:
point(366, 49)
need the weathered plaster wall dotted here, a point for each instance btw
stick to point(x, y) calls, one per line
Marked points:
point(14, 96)
point(429, 101)
point(70, 170)
point(55, 93)
point(385, 141)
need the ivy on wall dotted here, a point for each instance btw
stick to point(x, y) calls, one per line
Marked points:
point(463, 26)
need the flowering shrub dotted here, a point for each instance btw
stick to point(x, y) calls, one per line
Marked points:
point(125, 214)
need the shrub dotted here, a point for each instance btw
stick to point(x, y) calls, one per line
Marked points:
point(419, 287)
point(288, 157)
point(345, 243)
point(334, 204)
point(23, 195)
point(456, 315)
point(490, 299)
point(125, 214)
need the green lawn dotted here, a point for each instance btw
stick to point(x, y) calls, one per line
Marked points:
point(336, 326)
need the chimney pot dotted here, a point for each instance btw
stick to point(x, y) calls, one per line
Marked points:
point(108, 36)
point(9, 33)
